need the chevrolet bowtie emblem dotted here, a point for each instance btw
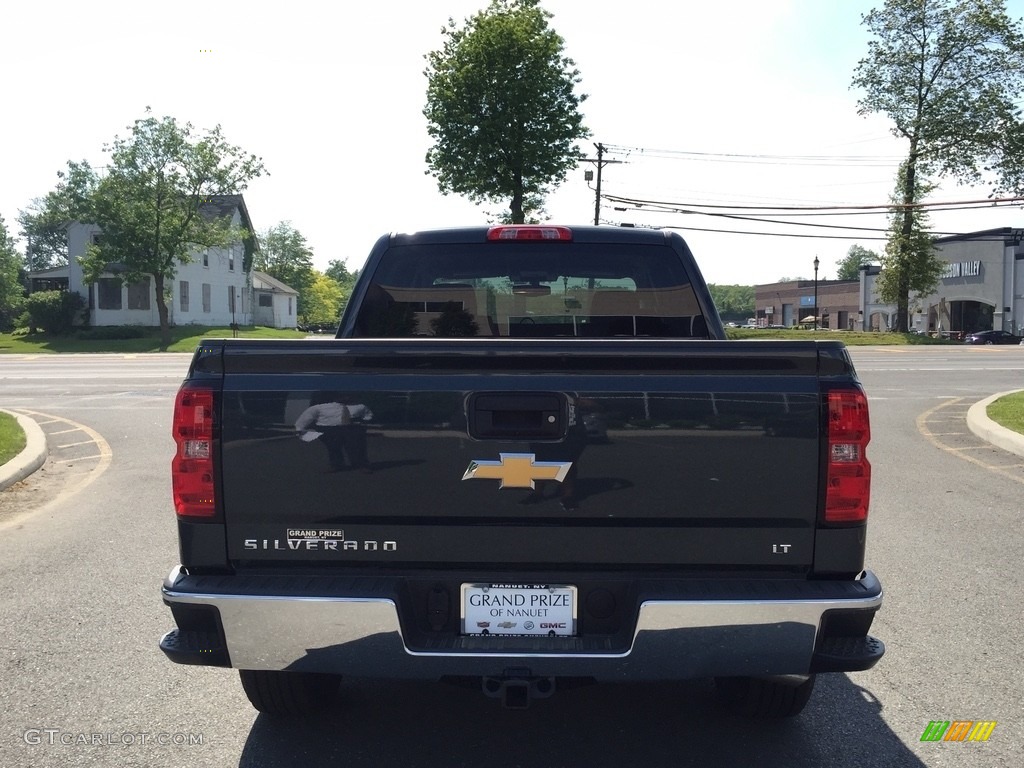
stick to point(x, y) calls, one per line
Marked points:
point(517, 470)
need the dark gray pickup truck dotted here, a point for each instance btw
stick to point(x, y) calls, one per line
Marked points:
point(530, 457)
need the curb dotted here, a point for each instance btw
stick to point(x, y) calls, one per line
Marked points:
point(981, 425)
point(31, 457)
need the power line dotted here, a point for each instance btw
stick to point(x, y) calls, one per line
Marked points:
point(787, 234)
point(761, 220)
point(758, 159)
point(762, 234)
point(804, 214)
point(938, 206)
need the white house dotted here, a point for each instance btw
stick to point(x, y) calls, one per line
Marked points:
point(213, 289)
point(274, 303)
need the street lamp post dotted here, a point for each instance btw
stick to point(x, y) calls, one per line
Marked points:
point(816, 262)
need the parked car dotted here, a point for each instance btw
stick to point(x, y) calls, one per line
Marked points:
point(992, 337)
point(318, 328)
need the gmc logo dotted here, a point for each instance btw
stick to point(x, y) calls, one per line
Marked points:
point(548, 625)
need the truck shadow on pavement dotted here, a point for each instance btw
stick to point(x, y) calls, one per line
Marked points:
point(384, 724)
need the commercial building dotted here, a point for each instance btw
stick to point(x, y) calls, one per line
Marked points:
point(835, 303)
point(981, 288)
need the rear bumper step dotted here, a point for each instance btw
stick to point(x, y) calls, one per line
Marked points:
point(847, 654)
point(708, 628)
point(195, 647)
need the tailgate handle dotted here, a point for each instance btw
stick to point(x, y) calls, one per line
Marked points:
point(516, 416)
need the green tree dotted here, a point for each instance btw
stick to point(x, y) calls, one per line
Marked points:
point(909, 262)
point(44, 222)
point(324, 300)
point(12, 293)
point(338, 271)
point(848, 267)
point(949, 74)
point(502, 108)
point(734, 302)
point(284, 255)
point(148, 204)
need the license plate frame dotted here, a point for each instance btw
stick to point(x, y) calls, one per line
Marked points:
point(519, 610)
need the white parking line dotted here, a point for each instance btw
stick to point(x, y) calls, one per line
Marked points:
point(80, 458)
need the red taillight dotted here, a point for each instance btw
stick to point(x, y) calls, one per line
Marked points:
point(529, 232)
point(848, 479)
point(192, 466)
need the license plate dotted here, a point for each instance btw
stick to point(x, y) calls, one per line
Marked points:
point(519, 609)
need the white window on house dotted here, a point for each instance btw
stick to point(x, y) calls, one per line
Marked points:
point(231, 259)
point(138, 294)
point(289, 306)
point(231, 299)
point(206, 260)
point(110, 293)
point(266, 300)
point(97, 238)
point(183, 295)
point(206, 297)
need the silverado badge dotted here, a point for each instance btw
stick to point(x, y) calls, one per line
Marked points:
point(517, 470)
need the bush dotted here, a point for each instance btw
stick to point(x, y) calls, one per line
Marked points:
point(9, 315)
point(113, 333)
point(54, 311)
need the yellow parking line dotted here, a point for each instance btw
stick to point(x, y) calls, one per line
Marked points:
point(104, 457)
point(922, 427)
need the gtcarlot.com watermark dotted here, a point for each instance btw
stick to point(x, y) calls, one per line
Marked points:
point(58, 737)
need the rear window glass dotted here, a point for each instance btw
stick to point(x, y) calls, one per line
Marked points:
point(530, 290)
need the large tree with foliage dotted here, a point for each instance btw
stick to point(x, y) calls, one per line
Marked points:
point(949, 74)
point(848, 267)
point(44, 222)
point(734, 302)
point(12, 293)
point(284, 255)
point(338, 271)
point(148, 205)
point(323, 302)
point(502, 108)
point(909, 263)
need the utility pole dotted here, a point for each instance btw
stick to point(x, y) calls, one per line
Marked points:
point(600, 162)
point(28, 262)
point(816, 263)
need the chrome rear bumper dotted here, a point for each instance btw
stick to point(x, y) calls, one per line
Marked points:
point(277, 628)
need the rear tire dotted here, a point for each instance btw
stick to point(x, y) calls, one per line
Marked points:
point(288, 693)
point(764, 697)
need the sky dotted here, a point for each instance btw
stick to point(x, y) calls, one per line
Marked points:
point(740, 103)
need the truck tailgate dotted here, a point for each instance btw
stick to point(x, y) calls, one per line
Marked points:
point(659, 444)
